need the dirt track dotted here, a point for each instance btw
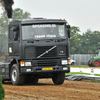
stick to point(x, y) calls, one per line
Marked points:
point(46, 90)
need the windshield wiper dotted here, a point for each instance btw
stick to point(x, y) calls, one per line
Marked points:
point(58, 39)
point(32, 40)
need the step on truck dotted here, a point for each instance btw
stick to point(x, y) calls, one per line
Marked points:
point(39, 48)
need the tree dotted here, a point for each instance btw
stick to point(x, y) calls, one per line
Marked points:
point(17, 14)
point(75, 40)
point(20, 14)
point(3, 41)
point(90, 42)
point(2, 92)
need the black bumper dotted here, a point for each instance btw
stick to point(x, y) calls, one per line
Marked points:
point(53, 69)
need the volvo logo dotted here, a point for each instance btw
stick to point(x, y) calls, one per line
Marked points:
point(46, 52)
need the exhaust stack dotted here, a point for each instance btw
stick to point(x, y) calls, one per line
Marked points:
point(7, 6)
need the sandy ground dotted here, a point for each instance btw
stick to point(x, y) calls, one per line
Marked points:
point(46, 90)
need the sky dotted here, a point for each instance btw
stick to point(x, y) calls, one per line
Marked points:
point(84, 14)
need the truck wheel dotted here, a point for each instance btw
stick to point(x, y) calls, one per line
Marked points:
point(96, 63)
point(58, 78)
point(15, 77)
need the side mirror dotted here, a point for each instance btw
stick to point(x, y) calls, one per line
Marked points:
point(68, 30)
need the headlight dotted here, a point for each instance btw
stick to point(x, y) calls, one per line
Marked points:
point(25, 64)
point(64, 62)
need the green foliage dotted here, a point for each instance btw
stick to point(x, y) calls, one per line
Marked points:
point(90, 42)
point(86, 43)
point(75, 40)
point(2, 92)
point(17, 14)
point(3, 41)
point(20, 14)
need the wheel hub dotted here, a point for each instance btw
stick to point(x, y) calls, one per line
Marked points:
point(14, 74)
point(96, 63)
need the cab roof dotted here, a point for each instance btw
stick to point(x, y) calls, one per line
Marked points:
point(38, 21)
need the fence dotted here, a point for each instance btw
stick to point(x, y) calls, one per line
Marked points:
point(81, 59)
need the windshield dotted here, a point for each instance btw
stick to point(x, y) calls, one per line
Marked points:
point(43, 31)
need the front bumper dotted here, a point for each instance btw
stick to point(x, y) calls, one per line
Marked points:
point(52, 69)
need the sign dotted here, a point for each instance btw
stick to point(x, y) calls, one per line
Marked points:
point(43, 25)
point(45, 36)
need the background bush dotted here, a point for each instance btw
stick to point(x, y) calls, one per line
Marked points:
point(2, 92)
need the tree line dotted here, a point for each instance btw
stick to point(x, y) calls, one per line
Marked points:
point(84, 43)
point(80, 43)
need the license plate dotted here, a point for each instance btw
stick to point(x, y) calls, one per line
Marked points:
point(47, 68)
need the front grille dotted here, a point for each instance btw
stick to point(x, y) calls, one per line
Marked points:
point(41, 50)
point(29, 52)
point(49, 62)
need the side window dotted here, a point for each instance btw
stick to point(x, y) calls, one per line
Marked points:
point(10, 33)
point(14, 33)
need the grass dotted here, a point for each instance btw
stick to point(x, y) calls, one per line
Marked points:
point(79, 66)
point(82, 66)
point(71, 73)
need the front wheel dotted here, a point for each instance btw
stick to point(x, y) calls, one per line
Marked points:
point(58, 78)
point(15, 77)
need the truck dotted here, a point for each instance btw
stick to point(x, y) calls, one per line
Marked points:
point(95, 61)
point(38, 48)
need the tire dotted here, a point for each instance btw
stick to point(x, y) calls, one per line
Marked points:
point(72, 63)
point(96, 63)
point(58, 78)
point(90, 65)
point(15, 77)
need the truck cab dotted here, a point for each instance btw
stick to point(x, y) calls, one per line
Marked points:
point(39, 48)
